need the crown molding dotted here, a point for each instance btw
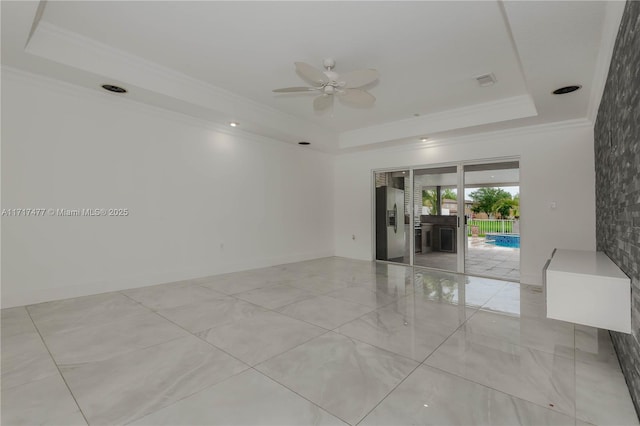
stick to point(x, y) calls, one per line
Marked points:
point(77, 51)
point(611, 25)
point(74, 50)
point(481, 137)
point(473, 115)
point(84, 94)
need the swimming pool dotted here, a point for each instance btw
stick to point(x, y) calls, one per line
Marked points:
point(503, 240)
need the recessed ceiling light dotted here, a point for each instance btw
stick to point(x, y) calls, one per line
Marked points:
point(304, 143)
point(424, 139)
point(114, 89)
point(566, 89)
point(234, 124)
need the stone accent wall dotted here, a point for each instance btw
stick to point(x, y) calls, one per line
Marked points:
point(617, 154)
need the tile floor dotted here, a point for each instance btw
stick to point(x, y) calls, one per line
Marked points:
point(328, 341)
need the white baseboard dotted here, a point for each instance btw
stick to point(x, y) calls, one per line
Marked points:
point(531, 279)
point(33, 296)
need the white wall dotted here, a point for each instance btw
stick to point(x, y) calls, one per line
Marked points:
point(188, 188)
point(555, 165)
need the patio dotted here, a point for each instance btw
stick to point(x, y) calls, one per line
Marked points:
point(482, 259)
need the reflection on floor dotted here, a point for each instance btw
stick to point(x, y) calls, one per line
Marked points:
point(328, 341)
point(482, 259)
point(491, 260)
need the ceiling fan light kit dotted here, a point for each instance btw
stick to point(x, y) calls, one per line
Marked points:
point(330, 84)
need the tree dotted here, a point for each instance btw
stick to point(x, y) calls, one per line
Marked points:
point(485, 200)
point(449, 194)
point(516, 206)
point(429, 200)
point(504, 207)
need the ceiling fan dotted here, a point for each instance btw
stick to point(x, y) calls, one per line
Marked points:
point(329, 84)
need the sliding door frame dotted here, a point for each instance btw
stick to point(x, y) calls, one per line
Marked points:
point(462, 226)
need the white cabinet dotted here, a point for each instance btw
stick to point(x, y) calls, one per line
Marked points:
point(586, 287)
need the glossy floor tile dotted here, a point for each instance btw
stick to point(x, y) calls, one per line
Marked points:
point(126, 387)
point(396, 333)
point(15, 321)
point(433, 397)
point(325, 341)
point(204, 314)
point(547, 335)
point(71, 314)
point(601, 395)
point(326, 312)
point(343, 376)
point(539, 377)
point(239, 282)
point(412, 327)
point(42, 402)
point(319, 284)
point(171, 295)
point(261, 336)
point(249, 398)
point(518, 300)
point(104, 341)
point(455, 288)
point(24, 359)
point(363, 296)
point(276, 296)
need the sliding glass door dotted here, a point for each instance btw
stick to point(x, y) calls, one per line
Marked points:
point(459, 217)
point(435, 198)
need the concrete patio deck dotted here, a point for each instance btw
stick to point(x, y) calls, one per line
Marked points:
point(482, 259)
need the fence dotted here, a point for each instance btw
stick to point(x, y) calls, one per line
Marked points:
point(502, 226)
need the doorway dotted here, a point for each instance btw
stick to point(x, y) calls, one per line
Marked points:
point(493, 220)
point(436, 217)
point(461, 217)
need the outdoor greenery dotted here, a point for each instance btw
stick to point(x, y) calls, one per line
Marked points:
point(495, 201)
point(429, 198)
point(448, 194)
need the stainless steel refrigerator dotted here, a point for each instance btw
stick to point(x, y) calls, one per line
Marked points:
point(390, 234)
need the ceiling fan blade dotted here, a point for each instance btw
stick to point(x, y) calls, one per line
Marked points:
point(311, 74)
point(359, 78)
point(295, 89)
point(357, 98)
point(322, 102)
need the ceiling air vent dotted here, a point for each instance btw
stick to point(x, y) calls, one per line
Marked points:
point(486, 80)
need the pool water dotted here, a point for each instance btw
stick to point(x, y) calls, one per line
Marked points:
point(504, 240)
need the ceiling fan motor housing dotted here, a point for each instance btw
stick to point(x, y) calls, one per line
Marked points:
point(329, 63)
